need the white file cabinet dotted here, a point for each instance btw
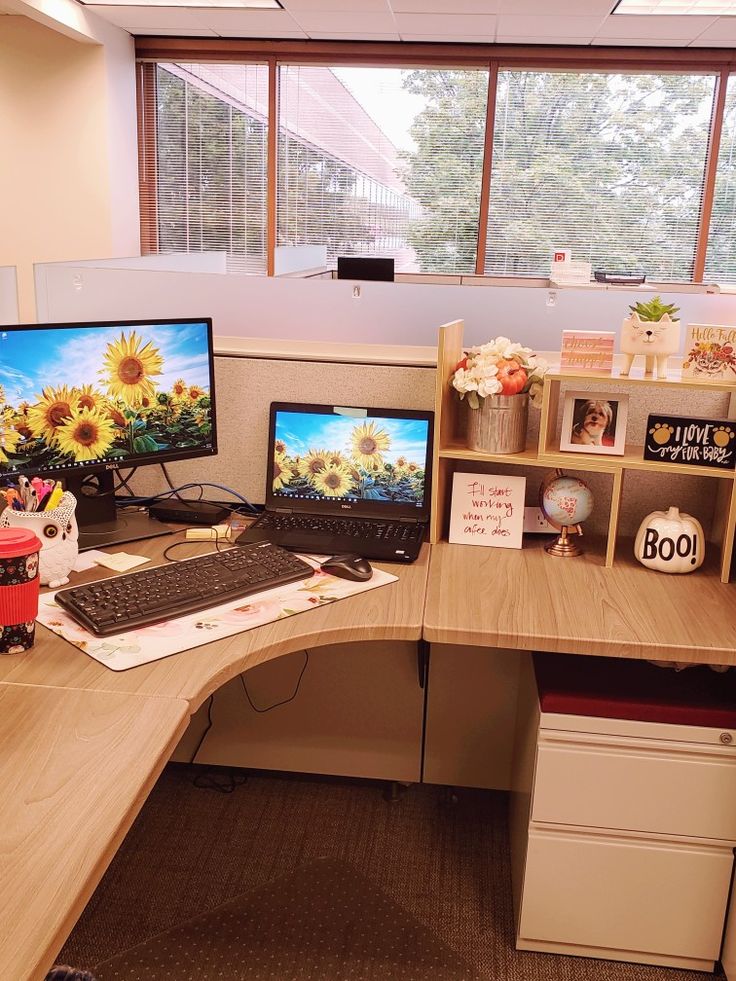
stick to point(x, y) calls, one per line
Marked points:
point(622, 836)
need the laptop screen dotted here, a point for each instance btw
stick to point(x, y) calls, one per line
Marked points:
point(345, 459)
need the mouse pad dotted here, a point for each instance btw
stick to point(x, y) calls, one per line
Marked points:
point(144, 644)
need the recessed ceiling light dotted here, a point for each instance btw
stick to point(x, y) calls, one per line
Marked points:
point(241, 4)
point(680, 8)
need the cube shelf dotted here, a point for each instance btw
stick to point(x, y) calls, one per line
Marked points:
point(544, 453)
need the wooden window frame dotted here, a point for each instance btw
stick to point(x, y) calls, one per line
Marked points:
point(492, 58)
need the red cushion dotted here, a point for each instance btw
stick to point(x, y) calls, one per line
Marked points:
point(619, 688)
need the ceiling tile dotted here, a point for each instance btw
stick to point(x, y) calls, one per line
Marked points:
point(140, 19)
point(167, 32)
point(447, 26)
point(359, 6)
point(648, 29)
point(719, 31)
point(624, 42)
point(525, 39)
point(527, 26)
point(443, 6)
point(353, 36)
point(444, 39)
point(376, 22)
point(263, 35)
point(564, 8)
point(262, 22)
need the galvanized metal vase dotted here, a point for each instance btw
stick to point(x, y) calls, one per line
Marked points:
point(499, 425)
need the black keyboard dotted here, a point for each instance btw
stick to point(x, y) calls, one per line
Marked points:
point(319, 524)
point(373, 538)
point(136, 599)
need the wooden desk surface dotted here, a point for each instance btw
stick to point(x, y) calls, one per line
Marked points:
point(75, 768)
point(392, 612)
point(529, 600)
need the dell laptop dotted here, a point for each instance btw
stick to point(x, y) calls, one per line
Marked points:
point(347, 479)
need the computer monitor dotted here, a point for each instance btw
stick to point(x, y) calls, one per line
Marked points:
point(79, 401)
point(365, 267)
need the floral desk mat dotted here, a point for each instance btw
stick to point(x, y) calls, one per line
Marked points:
point(140, 646)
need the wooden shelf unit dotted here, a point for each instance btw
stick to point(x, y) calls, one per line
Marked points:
point(449, 448)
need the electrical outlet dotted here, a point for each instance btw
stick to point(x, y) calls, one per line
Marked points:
point(551, 298)
point(356, 292)
point(536, 523)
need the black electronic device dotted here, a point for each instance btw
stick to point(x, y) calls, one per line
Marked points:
point(347, 479)
point(619, 278)
point(348, 566)
point(82, 400)
point(377, 268)
point(187, 512)
point(147, 596)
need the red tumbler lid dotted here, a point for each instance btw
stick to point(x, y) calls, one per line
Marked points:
point(17, 541)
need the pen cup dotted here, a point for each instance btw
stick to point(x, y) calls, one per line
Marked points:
point(19, 586)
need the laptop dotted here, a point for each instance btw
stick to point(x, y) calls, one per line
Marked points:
point(347, 479)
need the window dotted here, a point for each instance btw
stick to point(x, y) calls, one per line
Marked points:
point(609, 165)
point(720, 265)
point(382, 161)
point(391, 159)
point(210, 162)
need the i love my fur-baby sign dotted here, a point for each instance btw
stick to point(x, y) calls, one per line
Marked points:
point(699, 442)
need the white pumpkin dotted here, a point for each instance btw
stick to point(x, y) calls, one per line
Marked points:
point(670, 542)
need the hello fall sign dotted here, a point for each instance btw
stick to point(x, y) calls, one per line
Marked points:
point(487, 510)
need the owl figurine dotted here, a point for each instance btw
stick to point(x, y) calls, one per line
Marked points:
point(59, 536)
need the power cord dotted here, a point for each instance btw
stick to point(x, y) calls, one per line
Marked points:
point(286, 700)
point(198, 541)
point(214, 778)
point(175, 491)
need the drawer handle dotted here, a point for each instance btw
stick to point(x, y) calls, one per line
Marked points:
point(726, 737)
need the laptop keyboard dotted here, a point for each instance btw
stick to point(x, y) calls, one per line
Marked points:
point(319, 524)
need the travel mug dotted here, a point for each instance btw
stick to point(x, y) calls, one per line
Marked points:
point(19, 586)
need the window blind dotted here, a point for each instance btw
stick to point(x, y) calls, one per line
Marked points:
point(608, 165)
point(210, 150)
point(720, 263)
point(382, 161)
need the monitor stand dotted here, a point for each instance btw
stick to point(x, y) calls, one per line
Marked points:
point(101, 523)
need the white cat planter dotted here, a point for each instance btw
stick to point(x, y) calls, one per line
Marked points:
point(59, 537)
point(656, 340)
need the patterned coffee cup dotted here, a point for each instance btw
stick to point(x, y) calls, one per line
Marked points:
point(19, 587)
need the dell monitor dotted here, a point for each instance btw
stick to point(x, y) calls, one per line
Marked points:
point(365, 267)
point(80, 401)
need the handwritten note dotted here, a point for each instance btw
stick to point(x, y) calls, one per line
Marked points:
point(487, 510)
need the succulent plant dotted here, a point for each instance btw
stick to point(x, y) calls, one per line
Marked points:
point(654, 310)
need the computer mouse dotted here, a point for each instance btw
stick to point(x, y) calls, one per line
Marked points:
point(348, 566)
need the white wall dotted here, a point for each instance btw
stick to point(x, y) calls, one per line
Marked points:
point(8, 295)
point(68, 168)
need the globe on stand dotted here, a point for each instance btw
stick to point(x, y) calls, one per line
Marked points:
point(565, 502)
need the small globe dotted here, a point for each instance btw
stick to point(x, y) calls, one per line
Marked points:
point(565, 501)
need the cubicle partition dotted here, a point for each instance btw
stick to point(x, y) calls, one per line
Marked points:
point(347, 312)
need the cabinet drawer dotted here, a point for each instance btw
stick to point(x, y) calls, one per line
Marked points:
point(636, 785)
point(625, 894)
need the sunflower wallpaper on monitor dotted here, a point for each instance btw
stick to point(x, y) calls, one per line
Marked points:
point(328, 456)
point(71, 396)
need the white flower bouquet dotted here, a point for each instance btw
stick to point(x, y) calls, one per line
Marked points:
point(499, 367)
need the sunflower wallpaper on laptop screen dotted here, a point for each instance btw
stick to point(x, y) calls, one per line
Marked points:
point(78, 395)
point(330, 456)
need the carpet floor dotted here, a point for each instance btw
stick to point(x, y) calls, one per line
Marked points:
point(311, 879)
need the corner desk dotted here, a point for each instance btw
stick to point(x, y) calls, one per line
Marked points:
point(81, 746)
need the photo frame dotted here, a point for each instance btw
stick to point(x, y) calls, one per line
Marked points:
point(594, 422)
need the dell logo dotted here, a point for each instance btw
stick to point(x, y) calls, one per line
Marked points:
point(112, 466)
point(347, 507)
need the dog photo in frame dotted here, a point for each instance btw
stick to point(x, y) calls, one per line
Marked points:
point(594, 423)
